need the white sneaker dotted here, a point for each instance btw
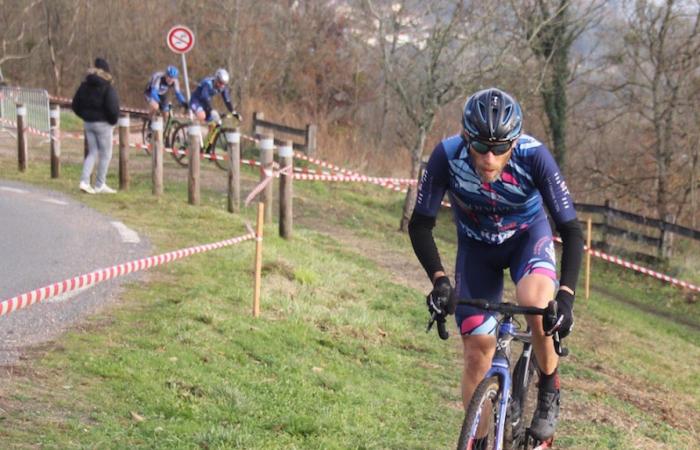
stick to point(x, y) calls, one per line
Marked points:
point(104, 189)
point(85, 187)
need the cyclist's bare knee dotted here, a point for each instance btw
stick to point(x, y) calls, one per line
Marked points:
point(478, 351)
point(535, 290)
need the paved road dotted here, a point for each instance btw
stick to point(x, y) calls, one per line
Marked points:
point(47, 237)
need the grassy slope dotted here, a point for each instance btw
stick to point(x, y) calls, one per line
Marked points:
point(339, 358)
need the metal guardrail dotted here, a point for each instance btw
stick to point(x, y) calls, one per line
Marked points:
point(36, 101)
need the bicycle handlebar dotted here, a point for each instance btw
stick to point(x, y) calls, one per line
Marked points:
point(508, 309)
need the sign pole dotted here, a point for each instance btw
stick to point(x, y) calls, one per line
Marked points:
point(180, 39)
point(187, 85)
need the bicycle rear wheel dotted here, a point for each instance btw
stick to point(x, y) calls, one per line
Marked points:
point(480, 423)
point(219, 152)
point(146, 136)
point(179, 143)
point(523, 402)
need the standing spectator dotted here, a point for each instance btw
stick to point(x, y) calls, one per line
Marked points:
point(96, 102)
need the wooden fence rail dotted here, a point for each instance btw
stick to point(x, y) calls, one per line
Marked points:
point(308, 146)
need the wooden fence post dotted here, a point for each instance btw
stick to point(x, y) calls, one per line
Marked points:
point(311, 130)
point(286, 154)
point(21, 138)
point(666, 239)
point(607, 221)
point(124, 152)
point(55, 140)
point(233, 147)
point(157, 156)
point(258, 260)
point(267, 147)
point(257, 131)
point(194, 135)
point(589, 228)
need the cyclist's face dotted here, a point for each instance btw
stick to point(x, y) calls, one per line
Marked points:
point(218, 84)
point(490, 166)
point(169, 80)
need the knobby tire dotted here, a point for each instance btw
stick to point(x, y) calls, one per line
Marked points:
point(179, 143)
point(522, 404)
point(485, 400)
point(147, 136)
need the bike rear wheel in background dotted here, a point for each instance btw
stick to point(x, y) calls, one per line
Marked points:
point(481, 416)
point(522, 404)
point(179, 143)
point(219, 152)
point(147, 136)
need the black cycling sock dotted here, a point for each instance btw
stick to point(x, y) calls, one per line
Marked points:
point(480, 444)
point(550, 382)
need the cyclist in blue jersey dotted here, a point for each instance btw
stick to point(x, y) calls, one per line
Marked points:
point(157, 90)
point(200, 103)
point(497, 180)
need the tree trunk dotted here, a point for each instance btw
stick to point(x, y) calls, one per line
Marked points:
point(410, 201)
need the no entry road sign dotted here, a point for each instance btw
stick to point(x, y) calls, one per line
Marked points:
point(180, 39)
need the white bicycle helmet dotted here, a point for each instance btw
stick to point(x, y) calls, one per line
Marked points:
point(221, 75)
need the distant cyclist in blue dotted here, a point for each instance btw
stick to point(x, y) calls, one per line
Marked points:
point(497, 180)
point(200, 103)
point(157, 90)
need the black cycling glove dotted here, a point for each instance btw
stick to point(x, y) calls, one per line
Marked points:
point(441, 301)
point(564, 321)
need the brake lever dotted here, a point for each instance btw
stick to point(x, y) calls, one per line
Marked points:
point(442, 330)
point(558, 347)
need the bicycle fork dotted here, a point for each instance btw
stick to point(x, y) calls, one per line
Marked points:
point(499, 368)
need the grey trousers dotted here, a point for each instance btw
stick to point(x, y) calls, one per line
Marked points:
point(99, 141)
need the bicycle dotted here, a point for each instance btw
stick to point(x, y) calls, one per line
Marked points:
point(147, 133)
point(214, 146)
point(502, 402)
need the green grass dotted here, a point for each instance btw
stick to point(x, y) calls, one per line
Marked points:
point(339, 357)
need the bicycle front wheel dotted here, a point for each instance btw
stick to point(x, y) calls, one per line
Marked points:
point(179, 143)
point(219, 152)
point(147, 136)
point(479, 430)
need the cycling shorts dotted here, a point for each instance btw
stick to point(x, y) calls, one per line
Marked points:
point(195, 107)
point(162, 102)
point(480, 266)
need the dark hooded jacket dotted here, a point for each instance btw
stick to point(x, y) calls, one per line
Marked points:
point(96, 99)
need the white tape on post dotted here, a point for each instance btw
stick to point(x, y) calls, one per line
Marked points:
point(157, 124)
point(124, 122)
point(285, 151)
point(193, 130)
point(22, 111)
point(267, 144)
point(233, 137)
point(55, 113)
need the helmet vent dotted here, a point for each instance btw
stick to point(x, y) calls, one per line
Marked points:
point(506, 114)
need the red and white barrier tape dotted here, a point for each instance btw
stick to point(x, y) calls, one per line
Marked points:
point(100, 275)
point(636, 267)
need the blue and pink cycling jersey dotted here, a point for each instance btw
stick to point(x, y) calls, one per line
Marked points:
point(206, 90)
point(500, 224)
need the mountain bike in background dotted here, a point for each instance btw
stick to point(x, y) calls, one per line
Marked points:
point(503, 403)
point(168, 126)
point(213, 147)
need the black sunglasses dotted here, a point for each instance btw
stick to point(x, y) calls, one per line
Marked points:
point(483, 148)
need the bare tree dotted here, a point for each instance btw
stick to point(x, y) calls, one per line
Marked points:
point(655, 82)
point(61, 28)
point(430, 56)
point(551, 28)
point(13, 24)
